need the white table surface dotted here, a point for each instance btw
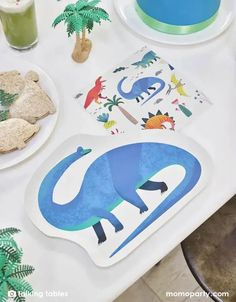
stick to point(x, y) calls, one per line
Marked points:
point(64, 266)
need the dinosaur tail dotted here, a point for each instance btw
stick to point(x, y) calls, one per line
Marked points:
point(190, 180)
point(88, 102)
point(162, 86)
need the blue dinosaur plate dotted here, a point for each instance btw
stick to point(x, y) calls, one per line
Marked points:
point(109, 197)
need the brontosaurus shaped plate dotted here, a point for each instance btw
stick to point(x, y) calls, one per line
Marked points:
point(109, 194)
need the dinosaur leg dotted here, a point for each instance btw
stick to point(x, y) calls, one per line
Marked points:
point(154, 185)
point(133, 198)
point(110, 217)
point(137, 98)
point(102, 97)
point(99, 232)
point(125, 182)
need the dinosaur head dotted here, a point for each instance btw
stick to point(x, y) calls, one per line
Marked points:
point(99, 81)
point(136, 63)
point(81, 151)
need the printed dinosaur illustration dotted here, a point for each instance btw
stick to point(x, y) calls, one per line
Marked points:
point(158, 121)
point(179, 86)
point(107, 184)
point(119, 69)
point(158, 72)
point(147, 60)
point(95, 93)
point(78, 95)
point(143, 85)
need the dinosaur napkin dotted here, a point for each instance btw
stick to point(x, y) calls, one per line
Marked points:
point(143, 92)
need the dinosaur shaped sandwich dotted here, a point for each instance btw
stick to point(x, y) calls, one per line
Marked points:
point(22, 102)
point(32, 104)
point(15, 133)
point(12, 82)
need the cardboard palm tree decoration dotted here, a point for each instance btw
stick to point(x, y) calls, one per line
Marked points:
point(12, 271)
point(6, 99)
point(79, 19)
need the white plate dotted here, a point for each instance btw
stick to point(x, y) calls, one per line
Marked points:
point(47, 124)
point(127, 13)
point(72, 180)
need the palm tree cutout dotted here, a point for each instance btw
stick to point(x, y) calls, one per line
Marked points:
point(8, 245)
point(12, 283)
point(80, 18)
point(115, 102)
point(6, 99)
point(12, 272)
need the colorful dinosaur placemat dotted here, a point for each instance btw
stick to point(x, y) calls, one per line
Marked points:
point(110, 197)
point(143, 92)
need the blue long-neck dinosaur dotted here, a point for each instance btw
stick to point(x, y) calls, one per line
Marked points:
point(147, 60)
point(141, 86)
point(113, 178)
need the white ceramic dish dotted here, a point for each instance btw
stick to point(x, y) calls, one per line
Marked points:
point(128, 15)
point(47, 124)
point(71, 180)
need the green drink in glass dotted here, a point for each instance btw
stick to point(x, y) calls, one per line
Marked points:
point(19, 23)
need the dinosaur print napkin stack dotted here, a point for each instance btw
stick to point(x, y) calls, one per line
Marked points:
point(143, 92)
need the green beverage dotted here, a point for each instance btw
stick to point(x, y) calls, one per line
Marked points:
point(19, 23)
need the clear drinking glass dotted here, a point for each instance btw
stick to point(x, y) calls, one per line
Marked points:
point(19, 23)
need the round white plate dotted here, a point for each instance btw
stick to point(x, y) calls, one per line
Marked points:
point(126, 11)
point(47, 124)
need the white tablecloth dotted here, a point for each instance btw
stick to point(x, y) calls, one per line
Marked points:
point(64, 266)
